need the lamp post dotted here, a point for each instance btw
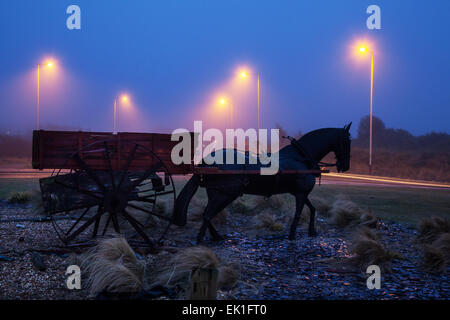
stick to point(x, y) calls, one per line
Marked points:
point(259, 102)
point(48, 64)
point(124, 99)
point(364, 49)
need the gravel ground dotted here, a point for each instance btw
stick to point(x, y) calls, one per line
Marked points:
point(19, 279)
point(270, 268)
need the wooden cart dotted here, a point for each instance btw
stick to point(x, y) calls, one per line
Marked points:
point(103, 181)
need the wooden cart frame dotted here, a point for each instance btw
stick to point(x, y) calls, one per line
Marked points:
point(102, 179)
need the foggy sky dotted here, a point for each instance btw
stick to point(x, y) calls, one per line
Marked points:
point(174, 57)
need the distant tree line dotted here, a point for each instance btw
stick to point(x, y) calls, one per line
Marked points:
point(396, 152)
point(399, 139)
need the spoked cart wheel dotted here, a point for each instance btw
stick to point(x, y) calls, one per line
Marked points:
point(87, 202)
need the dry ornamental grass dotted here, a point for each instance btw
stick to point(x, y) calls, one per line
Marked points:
point(113, 266)
point(20, 197)
point(434, 238)
point(175, 272)
point(431, 228)
point(345, 213)
point(368, 250)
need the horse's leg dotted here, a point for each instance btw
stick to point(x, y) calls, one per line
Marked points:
point(205, 223)
point(299, 203)
point(217, 201)
point(312, 230)
point(214, 234)
point(210, 211)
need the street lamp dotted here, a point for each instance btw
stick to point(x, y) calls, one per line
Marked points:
point(244, 74)
point(364, 50)
point(124, 99)
point(225, 102)
point(48, 64)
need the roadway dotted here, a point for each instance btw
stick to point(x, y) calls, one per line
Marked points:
point(327, 178)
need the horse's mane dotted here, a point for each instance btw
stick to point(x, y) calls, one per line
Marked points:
point(311, 139)
point(315, 133)
point(307, 137)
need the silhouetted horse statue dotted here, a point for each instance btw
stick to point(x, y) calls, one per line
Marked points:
point(303, 154)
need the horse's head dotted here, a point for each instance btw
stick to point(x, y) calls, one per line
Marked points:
point(342, 149)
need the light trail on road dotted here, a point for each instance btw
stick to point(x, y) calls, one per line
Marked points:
point(387, 180)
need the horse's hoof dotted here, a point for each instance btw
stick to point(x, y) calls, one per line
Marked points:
point(218, 238)
point(312, 234)
point(276, 237)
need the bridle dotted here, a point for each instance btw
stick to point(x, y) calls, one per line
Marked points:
point(303, 152)
point(341, 150)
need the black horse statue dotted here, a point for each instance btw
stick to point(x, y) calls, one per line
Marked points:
point(303, 154)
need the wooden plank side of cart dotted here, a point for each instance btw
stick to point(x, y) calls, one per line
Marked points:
point(55, 150)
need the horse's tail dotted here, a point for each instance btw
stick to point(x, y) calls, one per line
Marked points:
point(183, 199)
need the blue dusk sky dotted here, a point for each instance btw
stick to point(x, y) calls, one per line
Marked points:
point(175, 59)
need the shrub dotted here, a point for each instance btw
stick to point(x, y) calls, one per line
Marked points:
point(112, 266)
point(267, 220)
point(20, 197)
point(437, 254)
point(345, 213)
point(176, 271)
point(228, 276)
point(368, 250)
point(239, 206)
point(431, 228)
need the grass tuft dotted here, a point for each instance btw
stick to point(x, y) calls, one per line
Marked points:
point(228, 276)
point(112, 266)
point(368, 250)
point(344, 213)
point(267, 220)
point(434, 260)
point(239, 206)
point(176, 271)
point(437, 254)
point(431, 228)
point(20, 197)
